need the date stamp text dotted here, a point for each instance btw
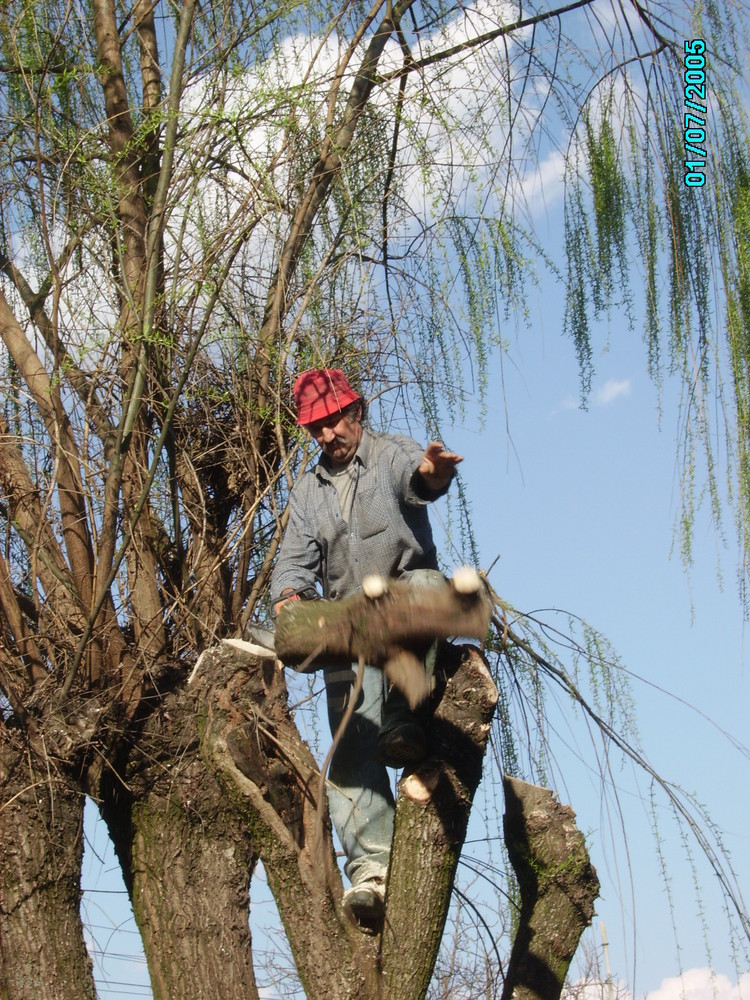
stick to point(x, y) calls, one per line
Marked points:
point(696, 110)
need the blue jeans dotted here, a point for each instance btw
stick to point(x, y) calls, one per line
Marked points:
point(359, 791)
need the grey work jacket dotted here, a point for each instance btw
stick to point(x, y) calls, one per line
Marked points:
point(388, 532)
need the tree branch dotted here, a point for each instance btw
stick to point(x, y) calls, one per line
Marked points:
point(80, 380)
point(558, 887)
point(374, 627)
point(63, 445)
point(432, 815)
point(325, 170)
point(483, 39)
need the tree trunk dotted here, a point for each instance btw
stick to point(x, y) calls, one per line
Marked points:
point(558, 886)
point(432, 814)
point(42, 950)
point(188, 843)
point(187, 859)
point(270, 782)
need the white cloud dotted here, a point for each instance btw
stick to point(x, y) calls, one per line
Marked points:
point(693, 984)
point(544, 184)
point(611, 390)
point(702, 984)
point(605, 395)
point(471, 21)
point(568, 403)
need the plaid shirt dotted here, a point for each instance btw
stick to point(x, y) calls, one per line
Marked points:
point(388, 531)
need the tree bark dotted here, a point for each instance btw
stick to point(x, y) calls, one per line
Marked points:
point(270, 781)
point(432, 814)
point(558, 886)
point(42, 950)
point(186, 858)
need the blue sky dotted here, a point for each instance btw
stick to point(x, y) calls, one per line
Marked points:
point(581, 508)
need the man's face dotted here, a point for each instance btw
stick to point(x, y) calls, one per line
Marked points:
point(338, 435)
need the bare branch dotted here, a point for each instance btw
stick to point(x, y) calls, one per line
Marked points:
point(70, 487)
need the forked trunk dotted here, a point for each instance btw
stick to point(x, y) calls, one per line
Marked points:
point(187, 862)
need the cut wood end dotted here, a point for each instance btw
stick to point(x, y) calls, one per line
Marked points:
point(251, 648)
point(491, 691)
point(197, 667)
point(420, 785)
point(466, 580)
point(374, 586)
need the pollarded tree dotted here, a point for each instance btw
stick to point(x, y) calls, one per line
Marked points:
point(196, 202)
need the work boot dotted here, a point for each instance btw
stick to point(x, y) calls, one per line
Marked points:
point(401, 742)
point(364, 904)
point(401, 739)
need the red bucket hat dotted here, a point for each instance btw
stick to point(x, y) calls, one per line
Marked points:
point(321, 392)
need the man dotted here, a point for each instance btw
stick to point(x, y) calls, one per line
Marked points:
point(360, 510)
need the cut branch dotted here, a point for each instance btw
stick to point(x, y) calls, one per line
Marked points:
point(385, 631)
point(404, 616)
point(558, 887)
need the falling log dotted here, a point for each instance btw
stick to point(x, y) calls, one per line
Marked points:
point(388, 625)
point(402, 616)
point(558, 886)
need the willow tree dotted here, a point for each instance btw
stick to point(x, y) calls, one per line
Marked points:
point(195, 202)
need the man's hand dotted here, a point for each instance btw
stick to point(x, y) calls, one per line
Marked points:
point(438, 465)
point(287, 594)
